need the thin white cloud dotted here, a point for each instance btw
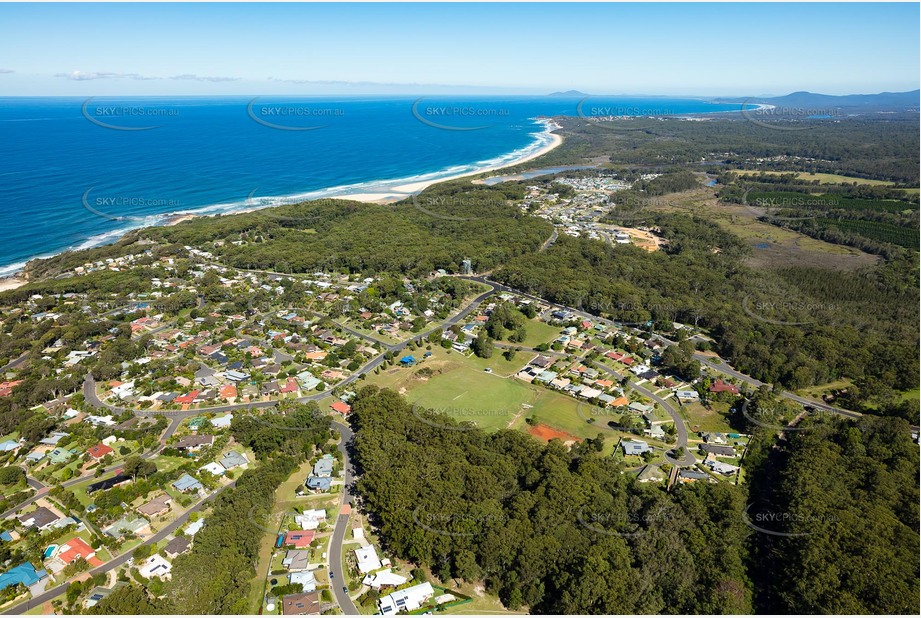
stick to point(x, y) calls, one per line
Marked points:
point(7, 71)
point(204, 78)
point(323, 82)
point(81, 76)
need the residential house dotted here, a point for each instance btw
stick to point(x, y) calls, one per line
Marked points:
point(193, 528)
point(721, 468)
point(290, 386)
point(187, 484)
point(367, 559)
point(41, 518)
point(318, 483)
point(68, 553)
point(296, 560)
point(650, 474)
point(308, 381)
point(642, 408)
point(214, 468)
point(692, 476)
point(324, 467)
point(306, 580)
point(233, 459)
point(298, 538)
point(108, 483)
point(24, 574)
point(194, 442)
point(341, 407)
point(177, 546)
point(406, 600)
point(35, 456)
point(311, 519)
point(724, 387)
point(53, 439)
point(222, 422)
point(718, 450)
point(156, 507)
point(228, 391)
point(635, 447)
point(129, 524)
point(99, 451)
point(304, 604)
point(156, 566)
point(383, 578)
point(60, 455)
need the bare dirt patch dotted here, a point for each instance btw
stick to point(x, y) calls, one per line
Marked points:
point(547, 433)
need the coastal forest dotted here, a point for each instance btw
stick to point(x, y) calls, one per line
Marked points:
point(563, 531)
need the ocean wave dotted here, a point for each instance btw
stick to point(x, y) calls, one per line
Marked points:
point(540, 139)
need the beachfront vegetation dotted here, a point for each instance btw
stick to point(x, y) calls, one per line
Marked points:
point(437, 230)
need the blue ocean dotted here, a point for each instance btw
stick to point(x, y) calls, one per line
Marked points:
point(80, 172)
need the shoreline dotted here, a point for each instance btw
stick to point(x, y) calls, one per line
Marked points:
point(403, 191)
point(387, 195)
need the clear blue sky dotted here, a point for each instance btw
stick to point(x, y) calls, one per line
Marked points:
point(671, 49)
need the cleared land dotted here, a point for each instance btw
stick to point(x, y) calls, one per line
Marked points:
point(460, 388)
point(824, 179)
point(772, 246)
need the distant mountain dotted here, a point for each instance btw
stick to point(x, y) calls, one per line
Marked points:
point(568, 93)
point(884, 101)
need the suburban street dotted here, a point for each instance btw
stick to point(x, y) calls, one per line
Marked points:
point(119, 560)
point(704, 359)
point(336, 568)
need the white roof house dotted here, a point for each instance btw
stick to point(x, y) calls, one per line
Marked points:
point(214, 468)
point(722, 468)
point(383, 578)
point(590, 393)
point(124, 390)
point(222, 422)
point(193, 528)
point(156, 566)
point(406, 600)
point(367, 559)
point(311, 519)
point(305, 578)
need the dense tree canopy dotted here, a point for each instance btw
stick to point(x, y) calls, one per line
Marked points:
point(553, 530)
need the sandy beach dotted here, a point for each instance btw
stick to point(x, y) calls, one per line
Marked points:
point(385, 196)
point(11, 283)
point(401, 192)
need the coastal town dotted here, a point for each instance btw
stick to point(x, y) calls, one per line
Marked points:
point(110, 484)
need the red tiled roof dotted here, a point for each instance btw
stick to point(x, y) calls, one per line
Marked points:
point(99, 451)
point(188, 398)
point(228, 391)
point(290, 386)
point(76, 548)
point(719, 387)
point(341, 407)
point(299, 538)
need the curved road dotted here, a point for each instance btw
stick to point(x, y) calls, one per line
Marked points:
point(336, 568)
point(723, 367)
